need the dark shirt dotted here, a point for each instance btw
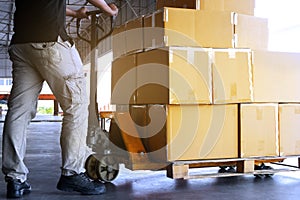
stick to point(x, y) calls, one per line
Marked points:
point(39, 21)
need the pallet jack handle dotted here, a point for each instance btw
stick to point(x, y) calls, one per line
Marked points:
point(94, 17)
point(93, 118)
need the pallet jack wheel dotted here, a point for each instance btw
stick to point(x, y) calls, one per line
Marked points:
point(227, 169)
point(107, 168)
point(263, 167)
point(91, 165)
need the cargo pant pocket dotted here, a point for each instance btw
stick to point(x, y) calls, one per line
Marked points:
point(76, 85)
point(47, 52)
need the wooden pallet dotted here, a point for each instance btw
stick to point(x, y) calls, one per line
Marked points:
point(180, 169)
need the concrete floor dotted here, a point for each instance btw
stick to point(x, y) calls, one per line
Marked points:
point(43, 160)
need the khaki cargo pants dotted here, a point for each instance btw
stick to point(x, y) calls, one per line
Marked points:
point(57, 63)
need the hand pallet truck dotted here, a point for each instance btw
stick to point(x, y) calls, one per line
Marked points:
point(104, 164)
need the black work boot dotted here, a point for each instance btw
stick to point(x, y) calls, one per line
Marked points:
point(16, 189)
point(80, 183)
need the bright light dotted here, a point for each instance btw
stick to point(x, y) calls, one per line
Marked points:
point(284, 23)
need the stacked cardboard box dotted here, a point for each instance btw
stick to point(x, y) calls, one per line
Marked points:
point(217, 23)
point(206, 63)
point(244, 7)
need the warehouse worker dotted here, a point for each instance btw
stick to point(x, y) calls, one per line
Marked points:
point(41, 51)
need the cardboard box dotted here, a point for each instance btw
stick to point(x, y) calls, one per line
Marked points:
point(191, 4)
point(251, 32)
point(289, 126)
point(169, 27)
point(259, 130)
point(202, 132)
point(186, 132)
point(232, 76)
point(276, 76)
point(134, 35)
point(218, 29)
point(118, 41)
point(174, 75)
point(239, 6)
point(186, 75)
point(123, 80)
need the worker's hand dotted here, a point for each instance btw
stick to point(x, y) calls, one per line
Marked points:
point(81, 13)
point(114, 9)
point(109, 9)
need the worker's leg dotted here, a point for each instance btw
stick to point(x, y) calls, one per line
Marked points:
point(27, 84)
point(65, 76)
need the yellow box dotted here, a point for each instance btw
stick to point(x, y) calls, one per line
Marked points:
point(191, 4)
point(186, 75)
point(251, 32)
point(174, 75)
point(223, 29)
point(187, 132)
point(240, 6)
point(134, 35)
point(232, 76)
point(259, 130)
point(123, 80)
point(289, 127)
point(169, 27)
point(118, 41)
point(202, 132)
point(276, 76)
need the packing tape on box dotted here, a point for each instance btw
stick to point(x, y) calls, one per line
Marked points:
point(191, 56)
point(231, 53)
point(297, 111)
point(233, 90)
point(234, 18)
point(153, 20)
point(259, 113)
point(198, 5)
point(166, 15)
point(171, 56)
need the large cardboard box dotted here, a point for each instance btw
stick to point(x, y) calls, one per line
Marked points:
point(169, 27)
point(174, 75)
point(223, 29)
point(123, 80)
point(289, 127)
point(191, 4)
point(232, 76)
point(251, 32)
point(118, 41)
point(202, 132)
point(186, 132)
point(186, 75)
point(276, 76)
point(239, 6)
point(134, 35)
point(259, 130)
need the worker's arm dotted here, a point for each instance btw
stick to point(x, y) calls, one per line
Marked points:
point(80, 13)
point(110, 9)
